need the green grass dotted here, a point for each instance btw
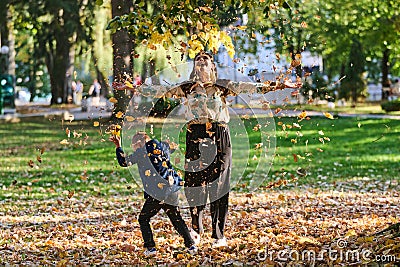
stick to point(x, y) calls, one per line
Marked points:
point(353, 149)
point(360, 108)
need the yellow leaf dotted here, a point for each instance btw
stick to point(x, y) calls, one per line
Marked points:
point(96, 124)
point(119, 115)
point(64, 142)
point(281, 197)
point(241, 27)
point(113, 100)
point(129, 118)
point(302, 115)
point(128, 84)
point(116, 130)
point(160, 185)
point(328, 115)
point(147, 172)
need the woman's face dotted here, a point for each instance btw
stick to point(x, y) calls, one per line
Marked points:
point(204, 68)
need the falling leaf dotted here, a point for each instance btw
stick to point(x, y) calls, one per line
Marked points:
point(31, 164)
point(258, 146)
point(42, 150)
point(277, 110)
point(295, 157)
point(294, 93)
point(147, 173)
point(328, 115)
point(64, 142)
point(160, 185)
point(296, 125)
point(96, 124)
point(76, 134)
point(302, 115)
point(128, 84)
point(39, 158)
point(113, 100)
point(119, 114)
point(129, 118)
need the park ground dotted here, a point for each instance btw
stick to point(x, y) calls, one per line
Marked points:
point(64, 200)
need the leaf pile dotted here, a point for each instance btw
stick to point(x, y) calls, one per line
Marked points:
point(78, 229)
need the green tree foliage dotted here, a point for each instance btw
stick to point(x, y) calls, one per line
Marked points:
point(56, 28)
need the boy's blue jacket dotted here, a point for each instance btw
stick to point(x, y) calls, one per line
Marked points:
point(158, 176)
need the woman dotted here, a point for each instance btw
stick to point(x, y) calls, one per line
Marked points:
point(208, 147)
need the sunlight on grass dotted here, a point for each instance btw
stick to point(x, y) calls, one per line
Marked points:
point(328, 150)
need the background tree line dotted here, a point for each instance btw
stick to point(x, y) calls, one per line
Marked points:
point(55, 42)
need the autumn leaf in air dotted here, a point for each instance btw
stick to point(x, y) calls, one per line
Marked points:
point(64, 142)
point(119, 115)
point(113, 100)
point(31, 164)
point(302, 115)
point(328, 115)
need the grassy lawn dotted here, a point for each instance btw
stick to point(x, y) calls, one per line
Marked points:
point(36, 165)
point(360, 108)
point(65, 201)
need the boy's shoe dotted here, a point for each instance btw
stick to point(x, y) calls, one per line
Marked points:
point(150, 252)
point(218, 243)
point(192, 250)
point(195, 236)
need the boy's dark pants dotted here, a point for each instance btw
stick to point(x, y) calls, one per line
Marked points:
point(150, 208)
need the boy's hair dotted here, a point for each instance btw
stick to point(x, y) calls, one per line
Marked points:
point(139, 137)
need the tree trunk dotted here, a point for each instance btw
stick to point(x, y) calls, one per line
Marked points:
point(122, 58)
point(385, 73)
point(57, 64)
point(70, 73)
point(4, 33)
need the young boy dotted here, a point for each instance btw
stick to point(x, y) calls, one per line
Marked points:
point(160, 181)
